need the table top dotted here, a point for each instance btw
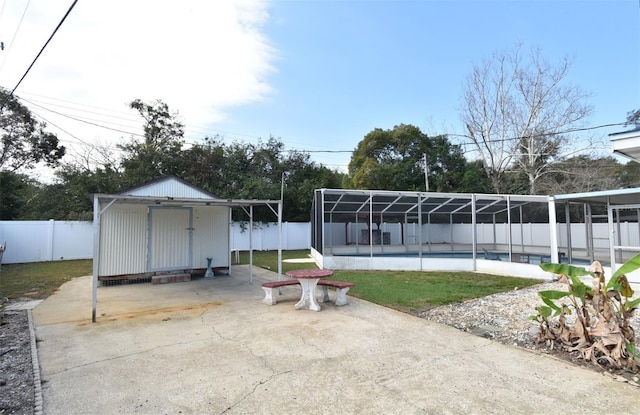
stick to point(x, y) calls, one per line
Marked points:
point(309, 273)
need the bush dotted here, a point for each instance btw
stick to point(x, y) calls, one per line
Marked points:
point(601, 332)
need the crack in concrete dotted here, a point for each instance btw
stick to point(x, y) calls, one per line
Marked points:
point(113, 358)
point(253, 390)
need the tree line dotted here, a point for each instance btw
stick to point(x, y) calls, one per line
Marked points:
point(517, 110)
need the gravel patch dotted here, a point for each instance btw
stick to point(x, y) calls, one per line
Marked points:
point(504, 317)
point(17, 384)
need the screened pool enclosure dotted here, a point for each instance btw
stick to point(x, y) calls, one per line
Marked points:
point(504, 234)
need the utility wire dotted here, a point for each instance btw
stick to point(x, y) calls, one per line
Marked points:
point(86, 121)
point(205, 130)
point(198, 142)
point(90, 122)
point(312, 151)
point(4, 59)
point(43, 47)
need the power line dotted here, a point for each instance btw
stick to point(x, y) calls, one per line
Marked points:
point(194, 141)
point(104, 112)
point(89, 122)
point(43, 47)
point(60, 128)
point(14, 33)
point(206, 130)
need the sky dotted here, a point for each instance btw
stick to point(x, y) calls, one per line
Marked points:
point(317, 75)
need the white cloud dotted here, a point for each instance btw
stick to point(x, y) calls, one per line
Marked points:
point(200, 57)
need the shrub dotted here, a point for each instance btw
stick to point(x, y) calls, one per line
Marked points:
point(600, 332)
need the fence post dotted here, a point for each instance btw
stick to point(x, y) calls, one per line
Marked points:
point(52, 225)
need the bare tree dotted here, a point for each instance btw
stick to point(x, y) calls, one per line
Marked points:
point(517, 113)
point(583, 173)
point(96, 155)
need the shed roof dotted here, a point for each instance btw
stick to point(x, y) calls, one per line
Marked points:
point(169, 186)
point(173, 191)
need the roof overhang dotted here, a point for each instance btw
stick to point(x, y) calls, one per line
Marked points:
point(362, 203)
point(612, 197)
point(626, 144)
point(184, 202)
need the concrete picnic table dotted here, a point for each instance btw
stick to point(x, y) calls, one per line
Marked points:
point(308, 279)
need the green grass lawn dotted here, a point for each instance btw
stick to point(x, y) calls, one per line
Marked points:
point(38, 280)
point(402, 290)
point(269, 260)
point(411, 292)
point(407, 291)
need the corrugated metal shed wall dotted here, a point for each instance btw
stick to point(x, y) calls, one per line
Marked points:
point(169, 187)
point(123, 240)
point(211, 236)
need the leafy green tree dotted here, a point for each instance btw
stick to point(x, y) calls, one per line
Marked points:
point(69, 198)
point(207, 166)
point(475, 179)
point(394, 160)
point(302, 177)
point(255, 171)
point(14, 195)
point(629, 175)
point(231, 171)
point(23, 140)
point(158, 152)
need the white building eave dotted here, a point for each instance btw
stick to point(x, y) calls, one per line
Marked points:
point(626, 144)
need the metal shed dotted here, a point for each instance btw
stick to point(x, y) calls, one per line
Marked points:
point(162, 226)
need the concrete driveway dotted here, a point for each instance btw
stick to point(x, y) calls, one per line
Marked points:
point(211, 347)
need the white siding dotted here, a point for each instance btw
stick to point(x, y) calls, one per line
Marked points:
point(123, 240)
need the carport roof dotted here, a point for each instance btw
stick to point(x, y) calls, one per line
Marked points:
point(177, 201)
point(613, 197)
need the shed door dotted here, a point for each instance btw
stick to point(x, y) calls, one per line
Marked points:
point(170, 238)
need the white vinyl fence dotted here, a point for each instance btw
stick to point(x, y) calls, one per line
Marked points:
point(526, 234)
point(35, 241)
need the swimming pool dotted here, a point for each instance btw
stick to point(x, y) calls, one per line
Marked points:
point(522, 258)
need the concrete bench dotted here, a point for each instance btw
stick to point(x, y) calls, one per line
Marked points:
point(268, 287)
point(342, 287)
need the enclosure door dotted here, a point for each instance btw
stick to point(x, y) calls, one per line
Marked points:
point(170, 238)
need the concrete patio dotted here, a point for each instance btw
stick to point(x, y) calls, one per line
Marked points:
point(211, 346)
